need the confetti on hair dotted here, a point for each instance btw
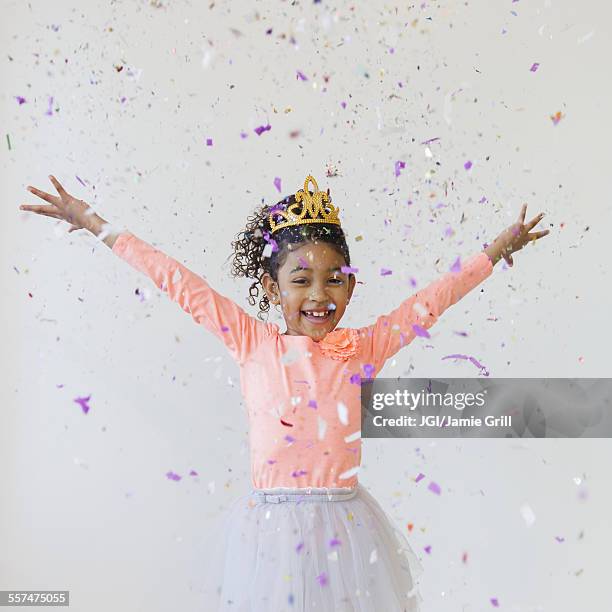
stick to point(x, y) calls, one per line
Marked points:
point(172, 476)
point(83, 402)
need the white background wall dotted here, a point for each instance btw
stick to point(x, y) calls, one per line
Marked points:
point(84, 501)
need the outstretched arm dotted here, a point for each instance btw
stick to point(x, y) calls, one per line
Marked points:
point(419, 312)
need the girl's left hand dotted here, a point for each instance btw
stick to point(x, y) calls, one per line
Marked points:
point(515, 237)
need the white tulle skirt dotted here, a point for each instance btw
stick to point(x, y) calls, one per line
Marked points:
point(296, 550)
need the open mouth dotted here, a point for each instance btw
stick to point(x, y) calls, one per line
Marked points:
point(318, 317)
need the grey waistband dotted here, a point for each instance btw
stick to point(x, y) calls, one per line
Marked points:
point(278, 495)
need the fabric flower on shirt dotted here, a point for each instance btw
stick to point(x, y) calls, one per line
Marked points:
point(340, 344)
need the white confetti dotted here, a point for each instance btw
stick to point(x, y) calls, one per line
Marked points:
point(354, 436)
point(528, 515)
point(349, 473)
point(342, 413)
point(322, 425)
point(373, 556)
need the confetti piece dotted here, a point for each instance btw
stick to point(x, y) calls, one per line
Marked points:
point(277, 183)
point(298, 473)
point(193, 473)
point(352, 437)
point(262, 128)
point(385, 272)
point(349, 473)
point(209, 142)
point(434, 487)
point(464, 557)
point(534, 67)
point(355, 379)
point(322, 579)
point(557, 117)
point(373, 556)
point(49, 110)
point(348, 270)
point(299, 547)
point(80, 180)
point(8, 141)
point(322, 428)
point(172, 476)
point(368, 370)
point(342, 413)
point(427, 549)
point(20, 99)
point(472, 359)
point(399, 165)
point(559, 539)
point(528, 515)
point(456, 267)
point(334, 542)
point(494, 602)
point(420, 331)
point(419, 477)
point(290, 439)
point(83, 402)
point(467, 165)
point(300, 75)
point(410, 526)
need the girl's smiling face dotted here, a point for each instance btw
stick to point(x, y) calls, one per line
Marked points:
point(311, 280)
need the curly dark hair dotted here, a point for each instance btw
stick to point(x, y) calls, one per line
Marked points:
point(248, 259)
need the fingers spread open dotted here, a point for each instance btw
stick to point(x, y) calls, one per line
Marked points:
point(44, 195)
point(58, 186)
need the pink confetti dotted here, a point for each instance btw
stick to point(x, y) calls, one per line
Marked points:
point(277, 183)
point(419, 477)
point(534, 67)
point(420, 331)
point(82, 401)
point(334, 542)
point(193, 473)
point(434, 487)
point(172, 476)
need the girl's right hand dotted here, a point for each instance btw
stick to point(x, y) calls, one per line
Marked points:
point(65, 207)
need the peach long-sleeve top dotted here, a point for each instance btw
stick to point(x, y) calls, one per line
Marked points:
point(303, 398)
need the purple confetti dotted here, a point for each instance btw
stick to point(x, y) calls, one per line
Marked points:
point(343, 104)
point(303, 263)
point(298, 473)
point(348, 270)
point(277, 183)
point(20, 99)
point(299, 547)
point(434, 487)
point(399, 165)
point(262, 128)
point(534, 67)
point(355, 379)
point(385, 272)
point(456, 267)
point(368, 369)
point(494, 602)
point(472, 359)
point(430, 140)
point(559, 539)
point(50, 109)
point(80, 180)
point(334, 542)
point(83, 402)
point(193, 473)
point(289, 438)
point(312, 404)
point(419, 477)
point(467, 165)
point(322, 578)
point(209, 142)
point(420, 331)
point(301, 75)
point(172, 476)
point(427, 549)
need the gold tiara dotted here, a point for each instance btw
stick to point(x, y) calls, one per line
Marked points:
point(315, 208)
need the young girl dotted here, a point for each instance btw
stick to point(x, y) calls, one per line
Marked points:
point(308, 536)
